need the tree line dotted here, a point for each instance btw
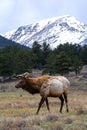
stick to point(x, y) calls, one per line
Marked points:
point(63, 59)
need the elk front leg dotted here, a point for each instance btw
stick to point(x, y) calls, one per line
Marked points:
point(40, 104)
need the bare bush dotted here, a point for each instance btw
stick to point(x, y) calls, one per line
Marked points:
point(80, 111)
point(51, 117)
point(57, 128)
point(68, 121)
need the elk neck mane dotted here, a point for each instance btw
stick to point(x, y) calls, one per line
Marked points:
point(33, 85)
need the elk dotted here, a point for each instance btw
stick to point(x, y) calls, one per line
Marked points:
point(46, 86)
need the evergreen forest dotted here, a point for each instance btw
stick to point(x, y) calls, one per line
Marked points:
point(62, 60)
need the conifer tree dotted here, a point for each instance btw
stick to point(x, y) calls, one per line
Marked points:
point(62, 63)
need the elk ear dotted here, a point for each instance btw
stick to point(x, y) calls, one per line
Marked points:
point(26, 75)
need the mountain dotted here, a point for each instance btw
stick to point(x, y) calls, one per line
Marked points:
point(54, 31)
point(6, 42)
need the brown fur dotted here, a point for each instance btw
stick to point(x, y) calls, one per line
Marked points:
point(47, 86)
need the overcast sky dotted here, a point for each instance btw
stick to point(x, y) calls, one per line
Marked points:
point(15, 13)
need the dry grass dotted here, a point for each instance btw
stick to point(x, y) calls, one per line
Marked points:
point(18, 108)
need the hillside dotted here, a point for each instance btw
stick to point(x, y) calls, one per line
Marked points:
point(54, 31)
point(6, 42)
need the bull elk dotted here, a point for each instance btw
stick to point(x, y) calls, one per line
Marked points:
point(46, 86)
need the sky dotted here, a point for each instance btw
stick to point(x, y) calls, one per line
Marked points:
point(16, 13)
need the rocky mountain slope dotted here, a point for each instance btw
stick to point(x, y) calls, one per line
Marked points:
point(54, 31)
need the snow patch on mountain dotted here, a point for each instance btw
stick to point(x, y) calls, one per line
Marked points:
point(54, 31)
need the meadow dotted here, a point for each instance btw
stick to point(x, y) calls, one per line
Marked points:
point(18, 108)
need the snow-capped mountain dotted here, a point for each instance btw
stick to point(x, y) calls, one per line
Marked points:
point(54, 31)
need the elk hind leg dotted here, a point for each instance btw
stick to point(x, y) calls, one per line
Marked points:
point(66, 101)
point(62, 102)
point(47, 103)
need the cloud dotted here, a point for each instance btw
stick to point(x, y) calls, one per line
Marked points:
point(5, 7)
point(14, 13)
point(26, 12)
point(22, 12)
point(5, 11)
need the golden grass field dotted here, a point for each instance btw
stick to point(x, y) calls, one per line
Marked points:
point(18, 108)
